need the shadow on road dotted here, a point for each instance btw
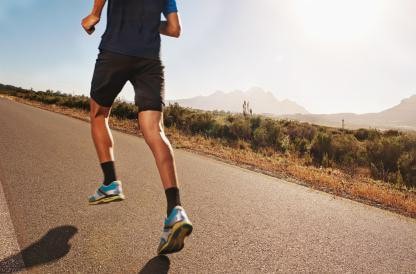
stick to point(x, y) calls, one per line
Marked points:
point(157, 265)
point(51, 247)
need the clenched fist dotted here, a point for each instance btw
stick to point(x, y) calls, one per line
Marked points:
point(89, 22)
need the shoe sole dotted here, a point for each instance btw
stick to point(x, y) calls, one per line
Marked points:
point(176, 240)
point(108, 200)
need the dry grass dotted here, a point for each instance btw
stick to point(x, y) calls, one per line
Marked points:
point(359, 187)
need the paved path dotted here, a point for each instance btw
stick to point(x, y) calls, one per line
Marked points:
point(245, 222)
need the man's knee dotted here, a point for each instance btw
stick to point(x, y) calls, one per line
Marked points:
point(97, 110)
point(151, 134)
point(154, 136)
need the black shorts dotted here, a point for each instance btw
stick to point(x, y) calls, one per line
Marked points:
point(113, 70)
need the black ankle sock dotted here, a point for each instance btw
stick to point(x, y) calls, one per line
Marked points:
point(173, 198)
point(109, 172)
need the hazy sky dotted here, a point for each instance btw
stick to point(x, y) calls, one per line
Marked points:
point(327, 55)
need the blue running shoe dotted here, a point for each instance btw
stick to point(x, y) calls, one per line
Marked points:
point(176, 228)
point(105, 194)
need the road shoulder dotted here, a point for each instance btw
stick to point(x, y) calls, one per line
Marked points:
point(10, 258)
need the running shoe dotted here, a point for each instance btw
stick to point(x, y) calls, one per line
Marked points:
point(176, 228)
point(105, 194)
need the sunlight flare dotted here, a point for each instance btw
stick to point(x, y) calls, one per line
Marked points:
point(338, 20)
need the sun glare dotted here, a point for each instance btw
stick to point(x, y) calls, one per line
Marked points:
point(338, 20)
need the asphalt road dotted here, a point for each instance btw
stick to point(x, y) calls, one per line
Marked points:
point(244, 222)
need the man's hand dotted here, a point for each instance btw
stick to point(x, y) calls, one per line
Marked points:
point(89, 22)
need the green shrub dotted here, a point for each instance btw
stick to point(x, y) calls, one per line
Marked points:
point(321, 145)
point(345, 149)
point(408, 142)
point(79, 102)
point(201, 123)
point(326, 160)
point(221, 131)
point(391, 133)
point(298, 131)
point(260, 138)
point(384, 154)
point(363, 134)
point(268, 134)
point(301, 146)
point(230, 118)
point(240, 129)
point(124, 110)
point(255, 122)
point(407, 167)
point(50, 100)
point(175, 115)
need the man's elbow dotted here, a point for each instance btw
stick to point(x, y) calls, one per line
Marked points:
point(176, 31)
point(173, 25)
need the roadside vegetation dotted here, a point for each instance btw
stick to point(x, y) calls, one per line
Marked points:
point(307, 152)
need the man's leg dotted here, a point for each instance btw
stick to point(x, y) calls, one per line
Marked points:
point(100, 131)
point(103, 140)
point(151, 125)
point(111, 190)
point(148, 82)
point(111, 72)
point(177, 225)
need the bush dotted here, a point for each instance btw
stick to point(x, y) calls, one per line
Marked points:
point(260, 138)
point(230, 118)
point(363, 134)
point(407, 167)
point(301, 145)
point(384, 154)
point(80, 102)
point(408, 142)
point(124, 110)
point(221, 131)
point(255, 122)
point(391, 133)
point(268, 134)
point(346, 150)
point(321, 145)
point(201, 123)
point(297, 131)
point(326, 160)
point(240, 129)
point(175, 116)
point(50, 100)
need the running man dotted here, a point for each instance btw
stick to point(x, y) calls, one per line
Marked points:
point(130, 51)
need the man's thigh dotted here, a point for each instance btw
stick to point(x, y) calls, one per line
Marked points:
point(111, 73)
point(148, 80)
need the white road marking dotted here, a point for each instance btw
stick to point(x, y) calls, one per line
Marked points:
point(10, 258)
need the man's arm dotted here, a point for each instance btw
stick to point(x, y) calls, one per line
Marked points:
point(93, 18)
point(171, 27)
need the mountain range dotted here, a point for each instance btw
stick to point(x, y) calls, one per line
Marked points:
point(260, 101)
point(401, 116)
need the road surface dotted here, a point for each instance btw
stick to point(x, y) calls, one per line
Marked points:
point(244, 222)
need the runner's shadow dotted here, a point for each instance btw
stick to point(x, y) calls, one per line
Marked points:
point(157, 265)
point(51, 247)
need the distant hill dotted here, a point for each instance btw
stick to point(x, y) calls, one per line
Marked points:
point(261, 102)
point(402, 116)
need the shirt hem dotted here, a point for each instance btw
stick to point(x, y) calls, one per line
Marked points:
point(155, 56)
